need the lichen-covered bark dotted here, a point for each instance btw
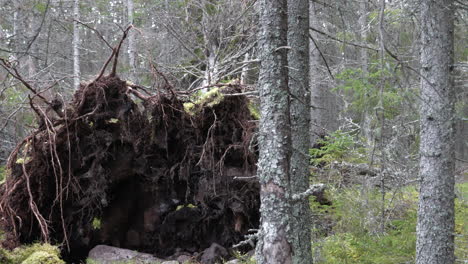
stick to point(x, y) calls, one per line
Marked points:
point(436, 202)
point(298, 62)
point(273, 165)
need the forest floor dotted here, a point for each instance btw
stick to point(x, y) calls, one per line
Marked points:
point(350, 231)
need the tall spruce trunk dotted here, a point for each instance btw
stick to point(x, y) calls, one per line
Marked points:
point(435, 228)
point(274, 135)
point(298, 65)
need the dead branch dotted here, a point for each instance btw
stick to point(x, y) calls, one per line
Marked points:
point(115, 52)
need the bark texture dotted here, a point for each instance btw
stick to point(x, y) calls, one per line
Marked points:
point(435, 239)
point(298, 62)
point(274, 140)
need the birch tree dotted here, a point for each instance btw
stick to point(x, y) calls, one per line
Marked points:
point(273, 165)
point(435, 228)
point(131, 43)
point(75, 44)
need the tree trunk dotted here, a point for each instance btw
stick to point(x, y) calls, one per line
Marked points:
point(367, 115)
point(75, 44)
point(131, 43)
point(435, 229)
point(298, 62)
point(274, 140)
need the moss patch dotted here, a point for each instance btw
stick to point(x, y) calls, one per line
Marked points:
point(32, 254)
point(43, 257)
point(209, 99)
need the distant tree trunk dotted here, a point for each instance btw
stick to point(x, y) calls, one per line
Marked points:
point(245, 70)
point(18, 30)
point(435, 229)
point(75, 44)
point(363, 59)
point(274, 140)
point(325, 110)
point(131, 43)
point(298, 64)
point(366, 129)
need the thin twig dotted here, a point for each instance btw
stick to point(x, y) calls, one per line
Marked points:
point(343, 41)
point(321, 55)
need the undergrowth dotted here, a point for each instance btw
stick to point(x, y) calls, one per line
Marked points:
point(337, 147)
point(356, 235)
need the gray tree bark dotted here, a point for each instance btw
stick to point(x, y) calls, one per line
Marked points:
point(298, 62)
point(75, 44)
point(274, 135)
point(435, 228)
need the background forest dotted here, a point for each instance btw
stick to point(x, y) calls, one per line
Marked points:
point(364, 83)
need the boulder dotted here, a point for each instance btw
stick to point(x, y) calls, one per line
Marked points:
point(214, 254)
point(103, 254)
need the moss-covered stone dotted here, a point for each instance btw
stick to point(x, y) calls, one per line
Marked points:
point(43, 257)
point(36, 253)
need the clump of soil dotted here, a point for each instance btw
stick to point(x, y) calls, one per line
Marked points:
point(144, 176)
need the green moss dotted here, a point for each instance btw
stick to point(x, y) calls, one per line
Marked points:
point(254, 111)
point(43, 257)
point(244, 258)
point(209, 99)
point(35, 253)
point(338, 146)
point(2, 174)
point(96, 223)
point(4, 256)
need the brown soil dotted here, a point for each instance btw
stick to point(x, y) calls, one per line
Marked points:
point(158, 179)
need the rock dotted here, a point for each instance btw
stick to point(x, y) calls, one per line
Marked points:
point(103, 254)
point(184, 259)
point(234, 261)
point(171, 262)
point(214, 254)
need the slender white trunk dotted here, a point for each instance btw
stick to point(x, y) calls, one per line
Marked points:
point(245, 70)
point(75, 44)
point(131, 43)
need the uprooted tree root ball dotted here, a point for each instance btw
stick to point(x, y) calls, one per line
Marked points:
point(145, 176)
